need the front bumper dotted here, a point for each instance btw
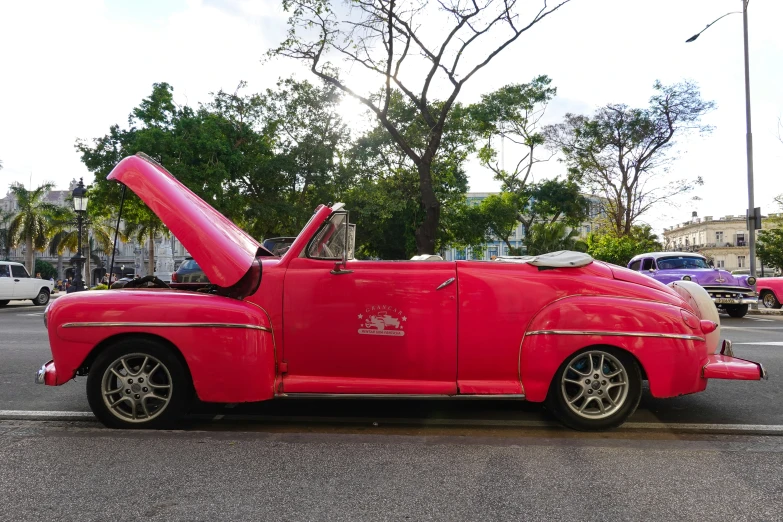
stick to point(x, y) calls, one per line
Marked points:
point(723, 365)
point(722, 301)
point(47, 374)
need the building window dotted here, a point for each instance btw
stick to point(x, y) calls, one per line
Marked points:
point(720, 263)
point(740, 239)
point(740, 261)
point(719, 237)
point(460, 254)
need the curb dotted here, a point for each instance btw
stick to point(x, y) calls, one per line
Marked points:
point(765, 311)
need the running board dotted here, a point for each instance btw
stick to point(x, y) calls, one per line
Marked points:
point(395, 396)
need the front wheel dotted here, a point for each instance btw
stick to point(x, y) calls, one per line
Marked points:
point(596, 389)
point(737, 310)
point(138, 383)
point(42, 298)
point(770, 300)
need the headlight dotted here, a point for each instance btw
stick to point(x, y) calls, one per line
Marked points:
point(686, 278)
point(751, 280)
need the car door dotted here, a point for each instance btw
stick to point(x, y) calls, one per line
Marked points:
point(369, 327)
point(24, 285)
point(6, 282)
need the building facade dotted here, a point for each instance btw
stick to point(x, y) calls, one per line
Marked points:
point(723, 240)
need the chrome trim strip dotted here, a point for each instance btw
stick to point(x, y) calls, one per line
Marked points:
point(165, 325)
point(392, 396)
point(616, 334)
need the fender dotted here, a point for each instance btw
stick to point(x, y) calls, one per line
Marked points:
point(656, 334)
point(227, 344)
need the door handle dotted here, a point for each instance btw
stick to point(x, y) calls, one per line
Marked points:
point(446, 283)
point(16, 280)
point(339, 271)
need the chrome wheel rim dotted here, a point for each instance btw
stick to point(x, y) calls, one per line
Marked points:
point(136, 387)
point(769, 300)
point(594, 385)
point(43, 297)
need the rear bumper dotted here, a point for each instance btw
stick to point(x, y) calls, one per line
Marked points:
point(723, 365)
point(47, 375)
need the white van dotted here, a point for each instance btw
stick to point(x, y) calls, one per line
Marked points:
point(16, 285)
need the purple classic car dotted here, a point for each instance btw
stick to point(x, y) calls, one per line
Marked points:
point(730, 293)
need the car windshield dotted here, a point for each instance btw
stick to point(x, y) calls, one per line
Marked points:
point(189, 264)
point(679, 262)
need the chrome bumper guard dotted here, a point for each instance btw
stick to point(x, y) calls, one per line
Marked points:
point(727, 350)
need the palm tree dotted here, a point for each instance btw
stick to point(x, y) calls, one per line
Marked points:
point(5, 219)
point(31, 224)
point(97, 236)
point(146, 229)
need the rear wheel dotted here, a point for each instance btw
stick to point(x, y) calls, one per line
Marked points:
point(42, 298)
point(138, 383)
point(737, 310)
point(769, 299)
point(596, 389)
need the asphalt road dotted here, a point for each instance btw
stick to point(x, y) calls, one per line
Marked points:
point(24, 347)
point(66, 473)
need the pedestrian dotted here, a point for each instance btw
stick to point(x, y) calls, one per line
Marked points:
point(38, 275)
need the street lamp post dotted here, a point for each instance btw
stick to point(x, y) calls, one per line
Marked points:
point(754, 214)
point(80, 207)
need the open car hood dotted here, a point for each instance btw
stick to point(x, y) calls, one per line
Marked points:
point(225, 252)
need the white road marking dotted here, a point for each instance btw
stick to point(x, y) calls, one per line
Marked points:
point(755, 329)
point(776, 429)
point(771, 343)
point(29, 315)
point(760, 320)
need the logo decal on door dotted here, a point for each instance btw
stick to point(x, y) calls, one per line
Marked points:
point(382, 320)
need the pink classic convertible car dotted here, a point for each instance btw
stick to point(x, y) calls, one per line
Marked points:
point(578, 334)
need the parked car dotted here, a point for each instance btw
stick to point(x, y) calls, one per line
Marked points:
point(189, 276)
point(770, 291)
point(730, 293)
point(17, 285)
point(578, 334)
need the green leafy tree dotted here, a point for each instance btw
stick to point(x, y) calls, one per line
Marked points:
point(500, 214)
point(390, 40)
point(621, 153)
point(512, 113)
point(619, 250)
point(45, 268)
point(30, 225)
point(552, 237)
point(385, 197)
point(770, 241)
point(5, 237)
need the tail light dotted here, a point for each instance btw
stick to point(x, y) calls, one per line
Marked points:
point(174, 277)
point(707, 326)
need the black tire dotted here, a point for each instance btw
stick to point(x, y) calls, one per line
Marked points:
point(737, 310)
point(42, 298)
point(558, 402)
point(769, 299)
point(4, 302)
point(160, 415)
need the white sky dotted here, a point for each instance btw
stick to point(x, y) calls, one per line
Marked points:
point(70, 69)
